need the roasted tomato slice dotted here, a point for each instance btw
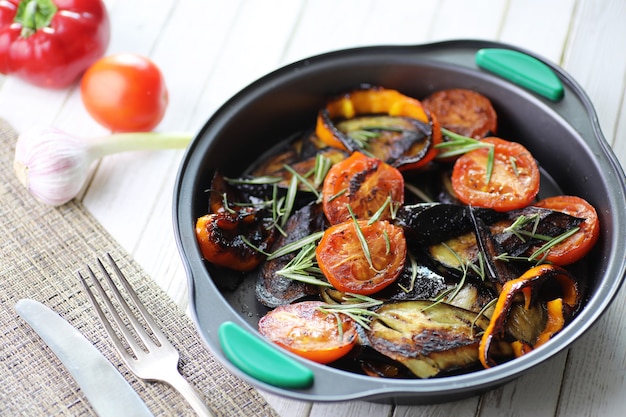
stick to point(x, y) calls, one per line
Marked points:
point(362, 258)
point(222, 238)
point(514, 181)
point(463, 111)
point(364, 184)
point(306, 330)
point(578, 245)
point(411, 149)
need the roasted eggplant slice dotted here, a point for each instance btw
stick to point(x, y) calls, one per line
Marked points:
point(274, 289)
point(428, 338)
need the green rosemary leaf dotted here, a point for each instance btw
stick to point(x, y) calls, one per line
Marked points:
point(413, 262)
point(303, 180)
point(289, 200)
point(256, 248)
point(322, 166)
point(543, 250)
point(376, 216)
point(363, 242)
point(459, 145)
point(297, 245)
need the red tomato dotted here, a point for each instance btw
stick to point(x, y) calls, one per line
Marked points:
point(307, 331)
point(125, 93)
point(343, 260)
point(364, 184)
point(577, 246)
point(514, 181)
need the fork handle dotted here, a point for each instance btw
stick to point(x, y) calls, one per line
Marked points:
point(180, 384)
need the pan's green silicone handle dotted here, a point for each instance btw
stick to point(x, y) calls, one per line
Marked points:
point(260, 360)
point(522, 69)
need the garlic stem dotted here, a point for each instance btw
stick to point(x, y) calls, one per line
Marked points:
point(123, 142)
point(54, 165)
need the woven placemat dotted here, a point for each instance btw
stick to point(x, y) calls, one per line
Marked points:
point(41, 248)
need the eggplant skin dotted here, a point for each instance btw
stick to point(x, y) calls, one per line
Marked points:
point(272, 289)
point(426, 337)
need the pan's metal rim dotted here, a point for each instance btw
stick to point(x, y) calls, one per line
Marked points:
point(448, 387)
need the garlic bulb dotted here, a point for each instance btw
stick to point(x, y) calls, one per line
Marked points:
point(53, 165)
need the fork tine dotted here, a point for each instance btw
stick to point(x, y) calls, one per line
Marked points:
point(136, 325)
point(103, 318)
point(152, 325)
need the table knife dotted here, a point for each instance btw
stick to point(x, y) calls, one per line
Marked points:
point(107, 391)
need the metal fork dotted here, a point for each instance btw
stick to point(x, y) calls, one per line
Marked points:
point(156, 360)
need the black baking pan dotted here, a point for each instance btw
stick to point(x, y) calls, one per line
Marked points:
point(561, 130)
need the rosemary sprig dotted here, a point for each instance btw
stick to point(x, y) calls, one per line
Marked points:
point(303, 267)
point(356, 306)
point(297, 245)
point(363, 136)
point(459, 145)
point(322, 166)
point(393, 208)
point(464, 267)
point(303, 180)
point(545, 248)
point(290, 199)
point(482, 312)
point(413, 262)
point(518, 225)
point(362, 241)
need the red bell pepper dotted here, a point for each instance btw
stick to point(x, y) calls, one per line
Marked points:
point(50, 43)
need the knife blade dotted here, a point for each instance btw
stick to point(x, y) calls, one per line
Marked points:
point(107, 391)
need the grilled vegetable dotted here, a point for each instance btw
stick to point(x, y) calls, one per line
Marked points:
point(537, 285)
point(235, 239)
point(463, 111)
point(277, 282)
point(427, 338)
point(363, 185)
point(508, 180)
point(579, 244)
point(416, 145)
point(306, 330)
point(362, 258)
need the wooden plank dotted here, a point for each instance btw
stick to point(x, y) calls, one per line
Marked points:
point(595, 57)
point(594, 382)
point(540, 26)
point(458, 19)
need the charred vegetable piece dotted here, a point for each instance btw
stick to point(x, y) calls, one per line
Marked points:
point(578, 245)
point(380, 101)
point(428, 338)
point(511, 233)
point(222, 238)
point(463, 111)
point(362, 258)
point(308, 331)
point(540, 284)
point(433, 223)
point(389, 139)
point(273, 288)
point(508, 181)
point(364, 185)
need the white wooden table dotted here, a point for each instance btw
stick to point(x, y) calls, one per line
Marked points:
point(209, 49)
